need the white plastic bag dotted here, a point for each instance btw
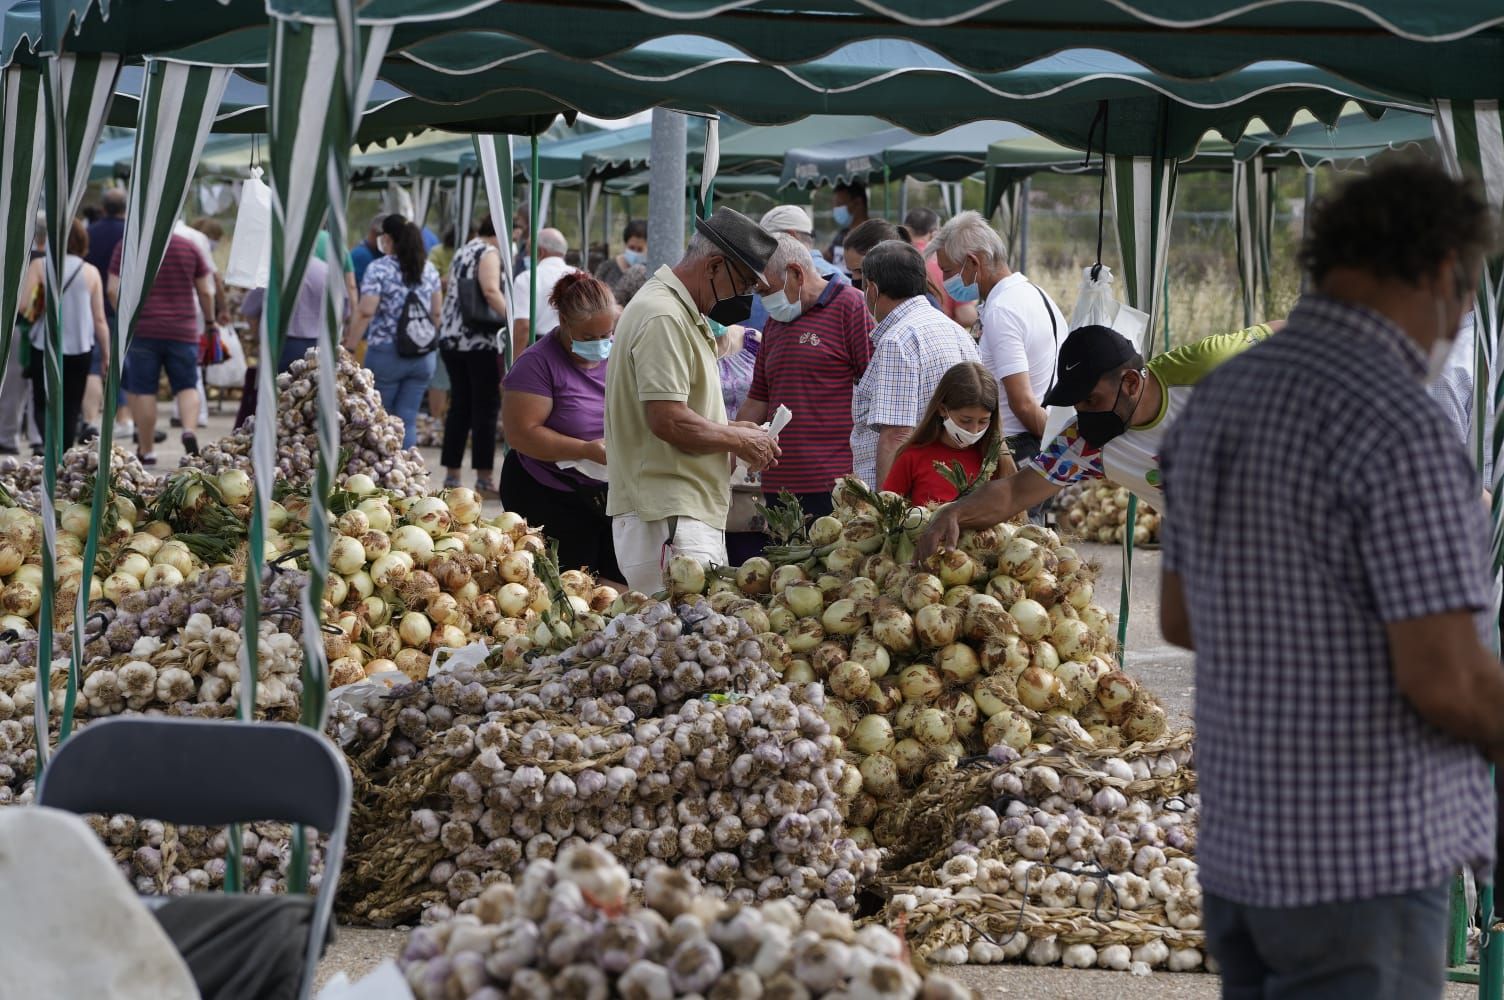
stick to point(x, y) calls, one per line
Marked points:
point(1097, 306)
point(385, 982)
point(470, 656)
point(250, 263)
point(229, 373)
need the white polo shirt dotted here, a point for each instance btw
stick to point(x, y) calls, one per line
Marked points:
point(550, 270)
point(1017, 337)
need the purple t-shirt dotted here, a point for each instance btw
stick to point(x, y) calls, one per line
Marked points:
point(579, 396)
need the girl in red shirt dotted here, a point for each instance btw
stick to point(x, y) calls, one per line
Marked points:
point(959, 426)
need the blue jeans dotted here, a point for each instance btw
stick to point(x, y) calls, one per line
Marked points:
point(402, 383)
point(1386, 948)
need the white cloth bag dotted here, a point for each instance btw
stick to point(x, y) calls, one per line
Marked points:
point(1097, 306)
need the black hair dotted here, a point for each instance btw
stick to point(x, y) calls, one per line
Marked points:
point(874, 231)
point(922, 221)
point(896, 268)
point(635, 227)
point(855, 189)
point(407, 247)
point(1399, 222)
point(487, 227)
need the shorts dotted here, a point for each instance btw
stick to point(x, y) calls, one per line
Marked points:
point(643, 555)
point(440, 378)
point(148, 357)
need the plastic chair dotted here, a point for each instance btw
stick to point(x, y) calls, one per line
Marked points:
point(196, 772)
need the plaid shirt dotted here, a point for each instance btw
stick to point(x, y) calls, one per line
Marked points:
point(912, 348)
point(1313, 494)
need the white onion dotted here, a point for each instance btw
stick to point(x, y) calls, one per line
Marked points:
point(75, 519)
point(879, 776)
point(1007, 727)
point(843, 560)
point(346, 555)
point(360, 584)
point(116, 586)
point(512, 600)
point(431, 514)
point(135, 564)
point(686, 575)
point(824, 531)
point(164, 575)
point(958, 663)
point(235, 486)
point(937, 625)
point(922, 589)
point(390, 570)
point(804, 599)
point(464, 504)
point(843, 618)
point(1072, 639)
point(933, 728)
point(920, 683)
point(415, 629)
point(516, 567)
point(353, 523)
point(1115, 690)
point(378, 513)
point(1038, 689)
point(873, 734)
point(374, 611)
point(415, 541)
point(911, 756)
point(1032, 619)
point(360, 484)
point(1021, 559)
point(894, 629)
point(954, 567)
point(175, 554)
point(805, 635)
point(335, 588)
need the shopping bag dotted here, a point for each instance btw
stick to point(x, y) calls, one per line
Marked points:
point(250, 261)
point(229, 371)
point(1096, 305)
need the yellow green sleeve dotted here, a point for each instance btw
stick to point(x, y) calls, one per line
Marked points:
point(1187, 365)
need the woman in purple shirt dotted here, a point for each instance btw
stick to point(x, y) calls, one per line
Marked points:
point(554, 411)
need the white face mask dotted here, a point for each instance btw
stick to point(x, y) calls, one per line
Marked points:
point(965, 437)
point(1436, 363)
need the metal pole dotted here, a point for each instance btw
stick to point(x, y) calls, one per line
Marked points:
point(903, 199)
point(1023, 225)
point(667, 184)
point(886, 214)
point(1305, 222)
point(534, 196)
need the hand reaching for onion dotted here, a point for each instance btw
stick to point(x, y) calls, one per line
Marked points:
point(944, 532)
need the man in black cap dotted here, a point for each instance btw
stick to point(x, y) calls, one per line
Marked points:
point(667, 438)
point(1123, 408)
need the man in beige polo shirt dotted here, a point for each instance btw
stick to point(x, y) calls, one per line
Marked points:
point(667, 439)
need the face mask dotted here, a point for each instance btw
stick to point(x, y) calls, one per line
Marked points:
point(1441, 347)
point(959, 290)
point(634, 257)
point(731, 310)
point(842, 215)
point(779, 306)
point(591, 350)
point(1100, 426)
point(967, 438)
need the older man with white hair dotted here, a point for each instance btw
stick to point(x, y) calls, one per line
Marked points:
point(815, 348)
point(552, 246)
point(795, 221)
point(1022, 327)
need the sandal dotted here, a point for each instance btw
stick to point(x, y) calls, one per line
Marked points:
point(150, 458)
point(451, 482)
point(486, 490)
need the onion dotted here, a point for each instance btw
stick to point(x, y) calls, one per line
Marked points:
point(911, 756)
point(164, 575)
point(957, 597)
point(391, 570)
point(378, 513)
point(843, 618)
point(353, 523)
point(234, 486)
point(954, 567)
point(932, 728)
point(1078, 592)
point(448, 544)
point(1068, 560)
point(800, 672)
point(804, 599)
point(360, 484)
point(849, 681)
point(879, 776)
point(894, 629)
point(430, 514)
point(28, 573)
point(346, 555)
point(862, 533)
point(360, 584)
point(1021, 559)
point(922, 589)
point(838, 717)
point(1038, 689)
point(116, 586)
point(414, 629)
point(538, 596)
point(992, 695)
point(1039, 535)
point(824, 531)
point(1072, 639)
point(870, 653)
point(385, 641)
point(781, 619)
point(1009, 728)
point(1032, 619)
point(1044, 656)
point(1145, 722)
point(844, 560)
point(754, 576)
point(755, 616)
point(1044, 588)
point(512, 600)
point(75, 519)
point(17, 624)
point(958, 663)
point(686, 575)
point(415, 541)
point(805, 635)
point(784, 577)
point(517, 567)
point(488, 542)
point(374, 611)
point(937, 626)
point(511, 523)
point(860, 589)
point(135, 564)
point(883, 697)
point(1115, 690)
point(10, 559)
point(873, 734)
point(335, 588)
point(920, 682)
point(464, 505)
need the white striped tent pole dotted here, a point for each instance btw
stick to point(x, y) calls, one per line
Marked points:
point(77, 91)
point(1143, 199)
point(175, 95)
point(423, 199)
point(1253, 221)
point(464, 205)
point(21, 166)
point(495, 155)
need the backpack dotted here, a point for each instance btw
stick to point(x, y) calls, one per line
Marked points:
point(416, 333)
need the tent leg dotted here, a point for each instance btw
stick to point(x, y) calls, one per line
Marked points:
point(903, 199)
point(1023, 226)
point(667, 187)
point(1305, 222)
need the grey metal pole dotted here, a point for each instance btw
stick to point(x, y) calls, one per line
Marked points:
point(1023, 225)
point(666, 186)
point(1305, 222)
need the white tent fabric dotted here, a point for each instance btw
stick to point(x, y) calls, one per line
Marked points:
point(495, 155)
point(1253, 220)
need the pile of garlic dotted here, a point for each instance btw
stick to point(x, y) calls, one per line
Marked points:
point(161, 859)
point(662, 740)
point(997, 642)
point(1097, 511)
point(1092, 861)
point(22, 478)
point(372, 436)
point(569, 929)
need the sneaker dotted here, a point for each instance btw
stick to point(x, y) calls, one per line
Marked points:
point(174, 422)
point(149, 458)
point(190, 443)
point(87, 433)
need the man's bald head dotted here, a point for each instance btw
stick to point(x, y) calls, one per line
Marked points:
point(551, 243)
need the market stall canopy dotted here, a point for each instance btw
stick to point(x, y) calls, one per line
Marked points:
point(1354, 139)
point(950, 156)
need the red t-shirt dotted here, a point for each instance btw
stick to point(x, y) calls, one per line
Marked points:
point(914, 474)
point(811, 366)
point(169, 311)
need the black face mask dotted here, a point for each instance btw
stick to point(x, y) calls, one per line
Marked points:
point(731, 310)
point(1098, 427)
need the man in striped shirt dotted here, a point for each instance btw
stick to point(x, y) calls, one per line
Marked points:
point(913, 345)
point(815, 347)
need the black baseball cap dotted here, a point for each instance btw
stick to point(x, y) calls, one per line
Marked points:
point(1087, 354)
point(739, 238)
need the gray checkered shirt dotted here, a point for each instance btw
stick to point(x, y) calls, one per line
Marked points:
point(1313, 493)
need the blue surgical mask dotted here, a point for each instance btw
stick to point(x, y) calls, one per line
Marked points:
point(842, 215)
point(591, 350)
point(634, 257)
point(957, 288)
point(780, 308)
